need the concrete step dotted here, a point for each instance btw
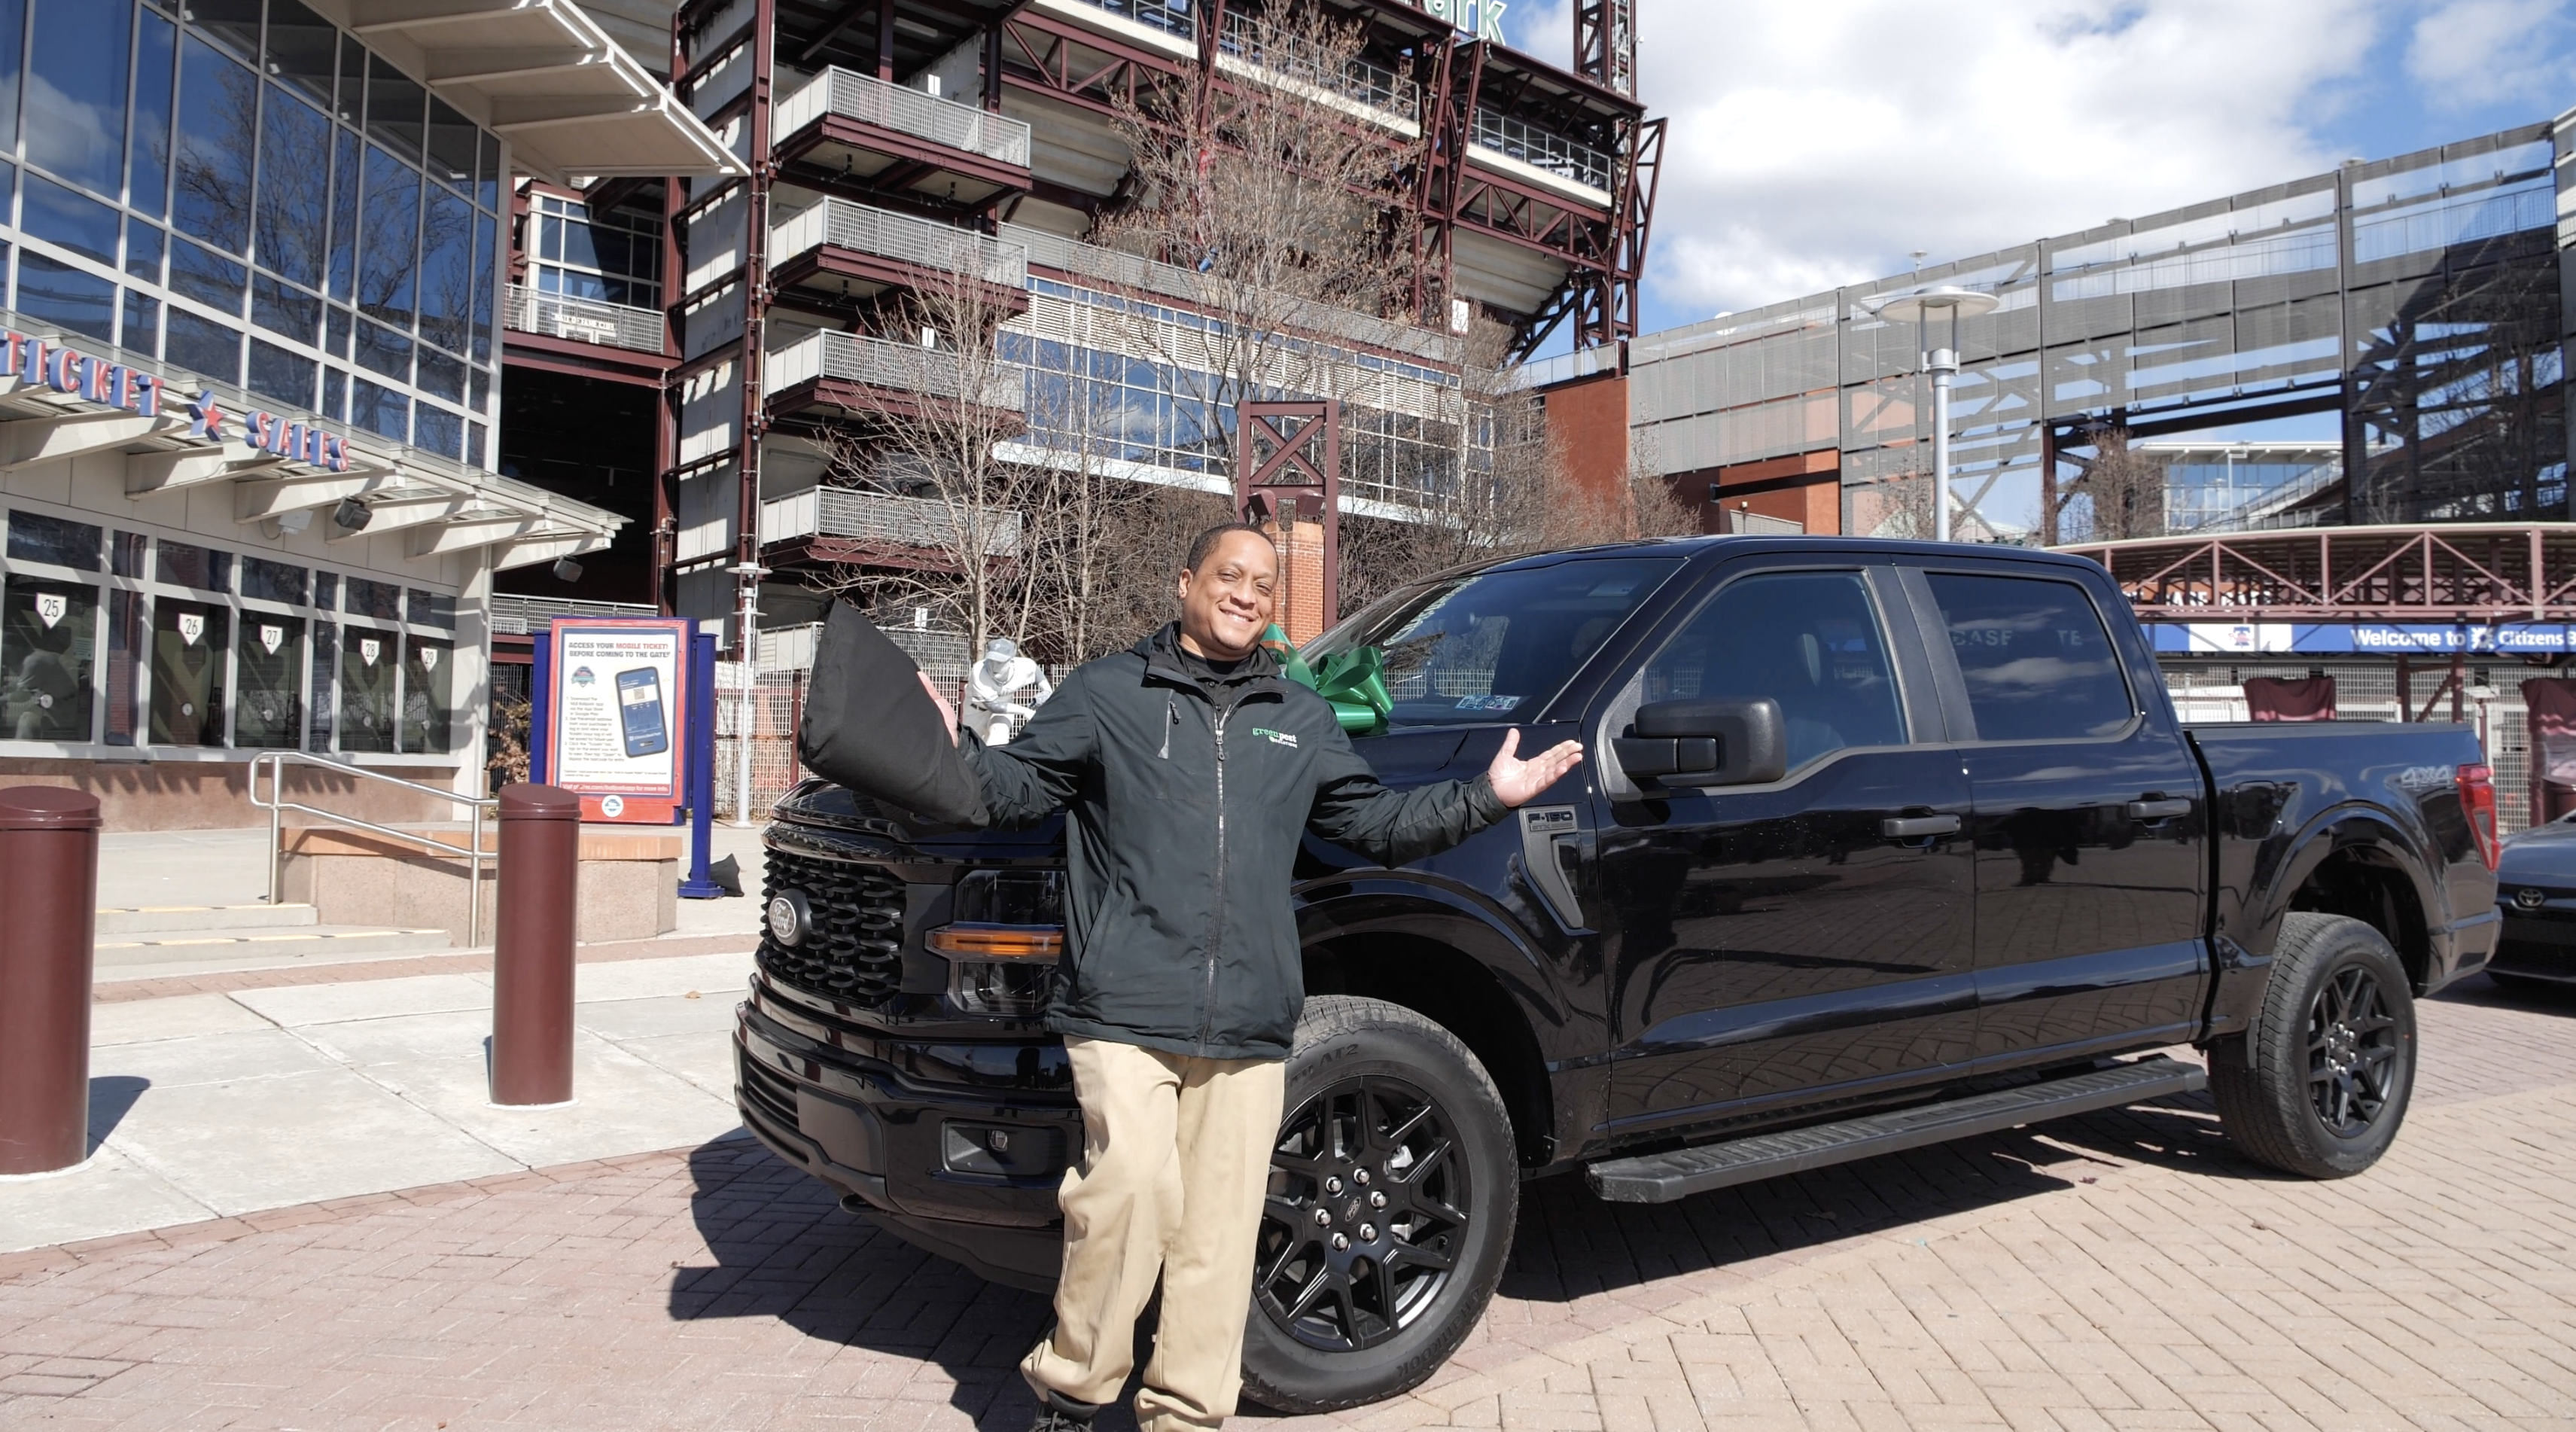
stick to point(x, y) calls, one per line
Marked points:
point(163, 952)
point(146, 920)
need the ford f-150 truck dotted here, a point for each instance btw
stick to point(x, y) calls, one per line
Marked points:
point(1877, 844)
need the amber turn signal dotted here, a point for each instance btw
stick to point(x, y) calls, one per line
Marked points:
point(998, 942)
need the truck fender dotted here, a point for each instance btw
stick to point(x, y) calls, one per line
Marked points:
point(2354, 833)
point(1475, 971)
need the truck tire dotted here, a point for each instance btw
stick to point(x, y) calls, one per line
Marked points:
point(1393, 1191)
point(2319, 1085)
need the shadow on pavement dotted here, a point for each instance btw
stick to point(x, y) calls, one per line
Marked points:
point(111, 1098)
point(1572, 1244)
point(785, 1249)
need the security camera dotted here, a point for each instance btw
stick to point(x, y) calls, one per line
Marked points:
point(567, 570)
point(287, 524)
point(352, 515)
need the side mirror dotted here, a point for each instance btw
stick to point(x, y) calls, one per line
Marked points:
point(1705, 743)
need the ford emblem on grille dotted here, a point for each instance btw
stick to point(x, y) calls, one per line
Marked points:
point(2530, 899)
point(790, 919)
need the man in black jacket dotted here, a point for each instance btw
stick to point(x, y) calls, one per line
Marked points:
point(1191, 768)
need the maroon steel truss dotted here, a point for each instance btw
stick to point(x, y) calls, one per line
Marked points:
point(2470, 573)
point(1289, 463)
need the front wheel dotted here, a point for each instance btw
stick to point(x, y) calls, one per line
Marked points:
point(2319, 1085)
point(1393, 1191)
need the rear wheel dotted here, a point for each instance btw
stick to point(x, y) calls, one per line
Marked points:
point(1393, 1191)
point(2319, 1085)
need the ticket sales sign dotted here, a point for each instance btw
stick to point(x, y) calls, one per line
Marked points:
point(39, 362)
point(615, 718)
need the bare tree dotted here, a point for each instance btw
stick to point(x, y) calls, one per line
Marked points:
point(2124, 488)
point(937, 401)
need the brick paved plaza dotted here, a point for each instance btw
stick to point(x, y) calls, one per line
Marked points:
point(2124, 1270)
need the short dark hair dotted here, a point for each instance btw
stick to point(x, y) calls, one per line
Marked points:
point(1205, 542)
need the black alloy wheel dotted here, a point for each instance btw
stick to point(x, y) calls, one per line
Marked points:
point(1367, 1210)
point(1394, 1187)
point(2318, 1083)
point(2352, 1052)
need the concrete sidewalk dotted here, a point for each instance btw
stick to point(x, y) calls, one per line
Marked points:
point(219, 1104)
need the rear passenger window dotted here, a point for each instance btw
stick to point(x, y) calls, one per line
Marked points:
point(2038, 662)
point(1808, 640)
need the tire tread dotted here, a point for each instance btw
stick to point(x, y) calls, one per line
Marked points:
point(2264, 1108)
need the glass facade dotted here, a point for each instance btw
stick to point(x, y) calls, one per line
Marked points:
point(2413, 300)
point(1404, 448)
point(111, 637)
point(615, 257)
point(240, 189)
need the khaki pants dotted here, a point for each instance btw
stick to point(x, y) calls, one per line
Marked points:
point(1175, 1161)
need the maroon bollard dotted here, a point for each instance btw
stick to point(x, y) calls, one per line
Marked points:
point(540, 869)
point(48, 917)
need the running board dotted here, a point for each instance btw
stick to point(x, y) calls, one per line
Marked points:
point(1664, 1177)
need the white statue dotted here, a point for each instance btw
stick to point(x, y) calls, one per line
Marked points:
point(993, 689)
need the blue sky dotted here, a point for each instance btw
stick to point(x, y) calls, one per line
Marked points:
point(1818, 143)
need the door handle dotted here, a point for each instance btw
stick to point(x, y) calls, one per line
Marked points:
point(2157, 808)
point(1915, 827)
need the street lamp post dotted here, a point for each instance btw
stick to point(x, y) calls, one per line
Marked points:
point(750, 574)
point(1922, 308)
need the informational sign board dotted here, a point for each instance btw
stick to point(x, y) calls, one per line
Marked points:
point(2396, 639)
point(616, 715)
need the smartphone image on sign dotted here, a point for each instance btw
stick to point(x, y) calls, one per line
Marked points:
point(639, 700)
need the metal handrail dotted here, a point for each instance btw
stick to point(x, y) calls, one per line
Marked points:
point(277, 805)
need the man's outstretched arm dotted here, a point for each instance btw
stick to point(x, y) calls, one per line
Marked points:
point(1391, 827)
point(1031, 778)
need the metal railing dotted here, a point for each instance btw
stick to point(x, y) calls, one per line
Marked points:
point(882, 517)
point(900, 367)
point(473, 853)
point(1565, 158)
point(514, 615)
point(1257, 44)
point(862, 229)
point(870, 100)
point(1172, 17)
point(583, 320)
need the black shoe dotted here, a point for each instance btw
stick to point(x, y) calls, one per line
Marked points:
point(1059, 1413)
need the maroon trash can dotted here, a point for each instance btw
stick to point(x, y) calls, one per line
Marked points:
point(540, 872)
point(48, 918)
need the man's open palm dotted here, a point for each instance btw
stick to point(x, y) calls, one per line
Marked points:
point(1517, 782)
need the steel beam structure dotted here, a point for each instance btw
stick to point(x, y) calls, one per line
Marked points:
point(2469, 574)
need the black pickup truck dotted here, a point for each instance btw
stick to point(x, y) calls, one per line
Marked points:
point(1878, 844)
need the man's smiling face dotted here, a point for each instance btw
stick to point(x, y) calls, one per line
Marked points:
point(1226, 604)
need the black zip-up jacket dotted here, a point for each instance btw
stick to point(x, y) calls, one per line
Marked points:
point(1187, 805)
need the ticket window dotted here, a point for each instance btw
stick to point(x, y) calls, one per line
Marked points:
point(48, 639)
point(269, 659)
point(429, 695)
point(188, 657)
point(369, 660)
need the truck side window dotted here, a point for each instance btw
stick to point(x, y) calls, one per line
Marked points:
point(1808, 640)
point(2038, 663)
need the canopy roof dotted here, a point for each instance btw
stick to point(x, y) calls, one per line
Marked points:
point(543, 75)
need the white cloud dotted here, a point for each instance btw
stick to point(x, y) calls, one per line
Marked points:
point(1817, 143)
point(2473, 52)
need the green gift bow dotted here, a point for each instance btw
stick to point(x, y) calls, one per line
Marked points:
point(1354, 681)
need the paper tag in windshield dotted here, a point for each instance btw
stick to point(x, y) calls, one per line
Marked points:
point(1488, 703)
point(1613, 589)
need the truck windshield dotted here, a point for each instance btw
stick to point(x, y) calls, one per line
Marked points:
point(1495, 645)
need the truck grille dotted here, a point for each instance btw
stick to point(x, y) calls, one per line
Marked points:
point(856, 950)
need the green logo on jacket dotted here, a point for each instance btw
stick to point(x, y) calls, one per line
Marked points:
point(1277, 738)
